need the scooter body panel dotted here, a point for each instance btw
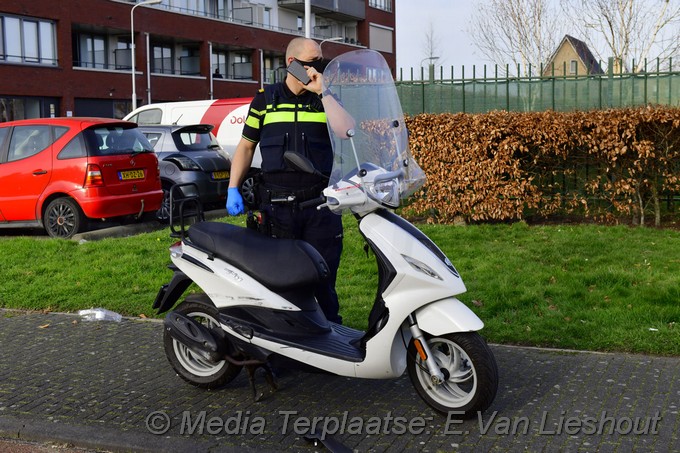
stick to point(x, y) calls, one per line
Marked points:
point(415, 285)
point(447, 316)
point(224, 284)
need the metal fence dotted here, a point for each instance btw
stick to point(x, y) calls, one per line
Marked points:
point(477, 92)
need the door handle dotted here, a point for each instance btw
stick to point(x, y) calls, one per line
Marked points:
point(39, 172)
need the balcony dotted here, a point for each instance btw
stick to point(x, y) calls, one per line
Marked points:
point(339, 10)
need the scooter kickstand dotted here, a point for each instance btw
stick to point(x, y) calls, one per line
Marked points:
point(271, 380)
point(268, 376)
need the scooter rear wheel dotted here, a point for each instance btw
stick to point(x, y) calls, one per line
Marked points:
point(191, 367)
point(470, 371)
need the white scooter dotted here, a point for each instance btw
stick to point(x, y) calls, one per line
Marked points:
point(258, 306)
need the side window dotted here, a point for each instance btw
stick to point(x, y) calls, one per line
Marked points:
point(153, 137)
point(4, 132)
point(59, 131)
point(74, 148)
point(27, 141)
point(151, 116)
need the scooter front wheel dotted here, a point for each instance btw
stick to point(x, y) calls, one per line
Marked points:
point(470, 373)
point(191, 367)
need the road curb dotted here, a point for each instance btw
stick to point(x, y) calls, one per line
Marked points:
point(133, 229)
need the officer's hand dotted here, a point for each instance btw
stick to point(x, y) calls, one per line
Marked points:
point(316, 81)
point(234, 201)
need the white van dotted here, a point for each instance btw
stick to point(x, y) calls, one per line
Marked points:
point(226, 115)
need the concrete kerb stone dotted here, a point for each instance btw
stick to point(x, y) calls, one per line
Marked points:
point(132, 229)
point(97, 384)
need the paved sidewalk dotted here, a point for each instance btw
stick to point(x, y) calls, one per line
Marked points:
point(107, 385)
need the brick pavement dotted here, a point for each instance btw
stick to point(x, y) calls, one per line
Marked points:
point(97, 385)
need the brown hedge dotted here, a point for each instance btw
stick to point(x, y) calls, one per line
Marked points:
point(606, 165)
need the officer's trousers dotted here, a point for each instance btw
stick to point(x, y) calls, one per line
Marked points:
point(323, 230)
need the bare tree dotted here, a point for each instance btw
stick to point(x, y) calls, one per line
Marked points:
point(521, 32)
point(431, 44)
point(628, 30)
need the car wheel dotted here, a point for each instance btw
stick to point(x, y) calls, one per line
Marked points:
point(248, 191)
point(63, 218)
point(163, 213)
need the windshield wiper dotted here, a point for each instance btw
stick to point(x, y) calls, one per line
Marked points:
point(134, 153)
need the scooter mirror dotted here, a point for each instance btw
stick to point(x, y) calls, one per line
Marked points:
point(300, 163)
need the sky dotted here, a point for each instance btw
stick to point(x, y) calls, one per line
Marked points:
point(450, 20)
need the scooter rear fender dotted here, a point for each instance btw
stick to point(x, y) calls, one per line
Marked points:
point(447, 316)
point(170, 293)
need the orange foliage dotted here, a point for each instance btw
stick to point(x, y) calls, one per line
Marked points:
point(509, 165)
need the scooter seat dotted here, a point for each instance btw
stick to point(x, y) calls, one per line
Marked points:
point(279, 264)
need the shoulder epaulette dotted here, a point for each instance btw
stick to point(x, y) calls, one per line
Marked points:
point(261, 90)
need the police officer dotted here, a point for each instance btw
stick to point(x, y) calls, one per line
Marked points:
point(287, 116)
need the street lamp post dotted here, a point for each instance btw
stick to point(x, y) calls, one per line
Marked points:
point(132, 45)
point(335, 38)
point(430, 67)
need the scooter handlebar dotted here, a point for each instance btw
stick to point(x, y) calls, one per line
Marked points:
point(313, 202)
point(389, 175)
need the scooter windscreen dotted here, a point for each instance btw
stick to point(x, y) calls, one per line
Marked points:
point(362, 83)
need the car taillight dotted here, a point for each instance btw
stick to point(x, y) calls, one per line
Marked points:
point(93, 176)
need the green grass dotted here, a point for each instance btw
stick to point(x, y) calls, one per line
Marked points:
point(567, 286)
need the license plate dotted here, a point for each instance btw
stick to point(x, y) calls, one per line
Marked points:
point(220, 175)
point(127, 175)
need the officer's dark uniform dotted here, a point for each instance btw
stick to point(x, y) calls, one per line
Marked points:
point(281, 121)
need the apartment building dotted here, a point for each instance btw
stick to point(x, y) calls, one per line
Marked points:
point(75, 57)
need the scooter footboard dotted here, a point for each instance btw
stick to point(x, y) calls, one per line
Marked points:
point(447, 316)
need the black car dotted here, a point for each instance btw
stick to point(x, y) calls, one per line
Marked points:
point(190, 154)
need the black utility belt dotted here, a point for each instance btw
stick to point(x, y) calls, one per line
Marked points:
point(269, 195)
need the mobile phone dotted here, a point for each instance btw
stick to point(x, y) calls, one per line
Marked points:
point(299, 72)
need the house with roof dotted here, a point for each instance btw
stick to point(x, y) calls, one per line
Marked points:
point(572, 57)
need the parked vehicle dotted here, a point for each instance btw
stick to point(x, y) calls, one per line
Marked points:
point(190, 154)
point(258, 307)
point(60, 173)
point(226, 115)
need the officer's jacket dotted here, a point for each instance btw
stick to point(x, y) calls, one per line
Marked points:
point(281, 121)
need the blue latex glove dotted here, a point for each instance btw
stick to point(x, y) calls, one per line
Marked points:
point(234, 201)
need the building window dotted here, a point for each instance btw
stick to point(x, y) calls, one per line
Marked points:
point(189, 61)
point(573, 67)
point(24, 40)
point(385, 5)
point(90, 51)
point(243, 68)
point(162, 59)
point(2, 40)
point(219, 63)
point(274, 68)
point(267, 18)
point(381, 38)
point(123, 53)
point(243, 15)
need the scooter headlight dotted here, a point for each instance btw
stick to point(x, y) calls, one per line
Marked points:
point(422, 267)
point(385, 192)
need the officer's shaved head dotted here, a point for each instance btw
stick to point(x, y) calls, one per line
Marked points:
point(304, 49)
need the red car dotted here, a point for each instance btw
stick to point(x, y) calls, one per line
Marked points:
point(58, 173)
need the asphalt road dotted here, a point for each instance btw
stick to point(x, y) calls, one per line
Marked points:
point(108, 386)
